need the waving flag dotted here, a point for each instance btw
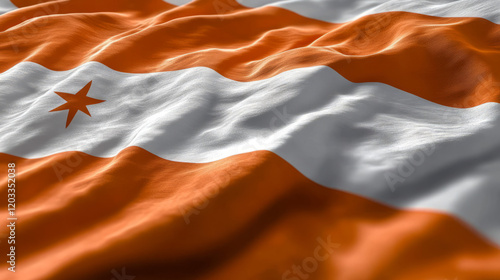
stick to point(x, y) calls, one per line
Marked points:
point(250, 139)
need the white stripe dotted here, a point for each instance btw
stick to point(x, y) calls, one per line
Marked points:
point(178, 2)
point(6, 6)
point(347, 10)
point(340, 134)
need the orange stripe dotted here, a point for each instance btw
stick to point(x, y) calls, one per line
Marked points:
point(250, 216)
point(450, 61)
point(26, 3)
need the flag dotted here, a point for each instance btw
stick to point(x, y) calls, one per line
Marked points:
point(249, 139)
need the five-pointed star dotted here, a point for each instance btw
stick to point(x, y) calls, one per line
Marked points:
point(76, 102)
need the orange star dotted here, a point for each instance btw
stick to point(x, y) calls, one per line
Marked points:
point(76, 102)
